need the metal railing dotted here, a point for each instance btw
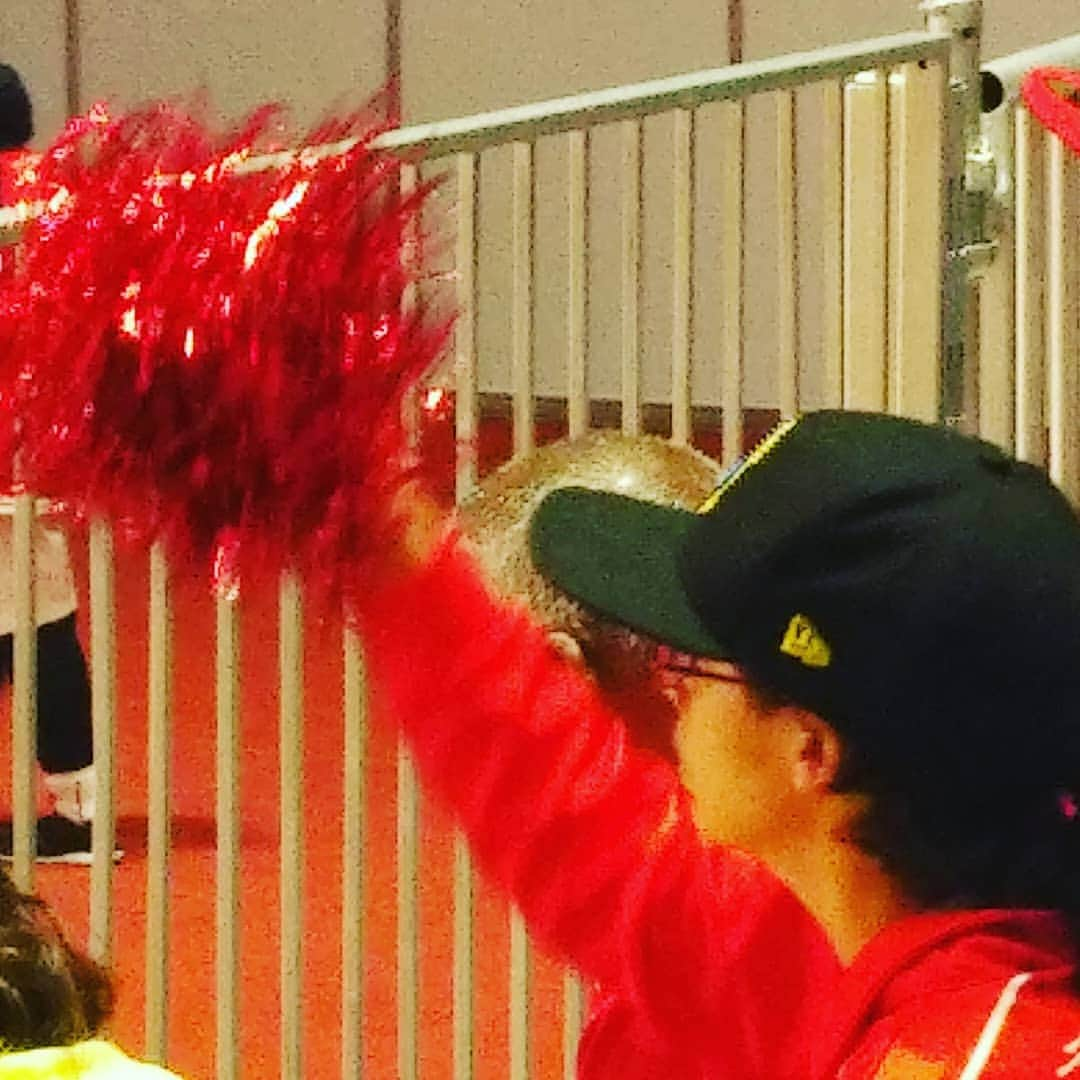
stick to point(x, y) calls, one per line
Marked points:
point(861, 156)
point(1023, 391)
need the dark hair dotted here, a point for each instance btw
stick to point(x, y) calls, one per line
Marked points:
point(955, 843)
point(954, 846)
point(16, 112)
point(51, 994)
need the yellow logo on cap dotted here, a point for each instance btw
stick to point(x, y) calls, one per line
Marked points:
point(803, 640)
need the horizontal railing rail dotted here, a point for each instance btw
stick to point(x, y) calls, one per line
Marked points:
point(551, 117)
point(661, 95)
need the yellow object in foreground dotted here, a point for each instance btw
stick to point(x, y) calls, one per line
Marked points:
point(93, 1060)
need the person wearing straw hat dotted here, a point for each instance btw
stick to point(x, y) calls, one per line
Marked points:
point(495, 520)
point(867, 862)
point(65, 736)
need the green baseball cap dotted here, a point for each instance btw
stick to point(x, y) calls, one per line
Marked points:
point(892, 576)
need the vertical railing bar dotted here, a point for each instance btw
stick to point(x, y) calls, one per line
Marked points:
point(1056, 374)
point(1061, 332)
point(103, 710)
point(832, 242)
point(24, 697)
point(865, 246)
point(408, 825)
point(995, 363)
point(682, 255)
point(291, 749)
point(574, 1018)
point(352, 885)
point(897, 221)
point(1030, 353)
point(577, 330)
point(931, 410)
point(524, 440)
point(464, 1011)
point(918, 103)
point(523, 210)
point(963, 22)
point(787, 256)
point(522, 300)
point(408, 806)
point(518, 1030)
point(227, 679)
point(466, 377)
point(630, 133)
point(733, 212)
point(577, 281)
point(159, 751)
point(467, 434)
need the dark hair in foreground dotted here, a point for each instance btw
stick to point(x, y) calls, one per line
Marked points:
point(16, 112)
point(50, 993)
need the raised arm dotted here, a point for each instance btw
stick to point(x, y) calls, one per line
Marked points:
point(592, 839)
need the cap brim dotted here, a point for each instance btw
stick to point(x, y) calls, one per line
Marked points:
point(620, 557)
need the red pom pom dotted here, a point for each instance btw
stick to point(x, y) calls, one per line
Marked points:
point(1053, 96)
point(213, 354)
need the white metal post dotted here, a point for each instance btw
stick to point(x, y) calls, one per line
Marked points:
point(227, 683)
point(103, 712)
point(965, 203)
point(24, 701)
point(158, 754)
point(865, 232)
point(731, 196)
point(631, 223)
point(291, 763)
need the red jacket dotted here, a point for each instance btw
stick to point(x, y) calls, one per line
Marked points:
point(704, 964)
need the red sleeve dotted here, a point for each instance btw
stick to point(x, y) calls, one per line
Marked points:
point(592, 839)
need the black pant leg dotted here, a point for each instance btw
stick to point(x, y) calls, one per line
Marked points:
point(64, 729)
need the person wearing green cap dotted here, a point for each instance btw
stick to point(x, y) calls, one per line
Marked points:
point(867, 862)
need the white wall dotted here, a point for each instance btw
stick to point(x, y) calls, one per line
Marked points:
point(458, 55)
point(306, 53)
point(462, 57)
point(507, 51)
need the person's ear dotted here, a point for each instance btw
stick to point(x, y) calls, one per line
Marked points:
point(817, 752)
point(567, 646)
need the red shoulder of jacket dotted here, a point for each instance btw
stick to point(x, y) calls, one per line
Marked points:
point(1026, 1025)
point(1032, 1029)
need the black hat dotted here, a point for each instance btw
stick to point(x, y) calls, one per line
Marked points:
point(910, 584)
point(16, 114)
